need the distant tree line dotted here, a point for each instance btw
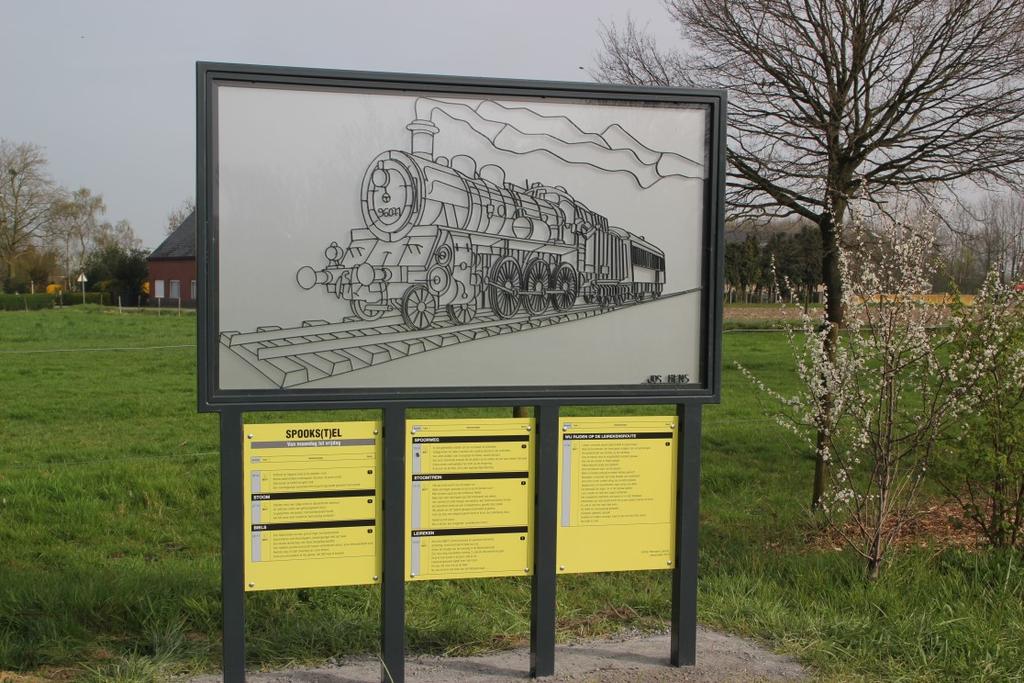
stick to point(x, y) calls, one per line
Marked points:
point(783, 258)
point(982, 238)
point(49, 235)
point(763, 263)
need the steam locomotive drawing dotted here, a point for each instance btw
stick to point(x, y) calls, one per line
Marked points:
point(441, 234)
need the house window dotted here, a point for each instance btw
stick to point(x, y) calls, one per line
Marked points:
point(175, 289)
point(158, 289)
point(193, 290)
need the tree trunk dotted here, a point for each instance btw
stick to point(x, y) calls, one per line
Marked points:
point(875, 553)
point(520, 411)
point(997, 521)
point(833, 314)
point(818, 489)
point(874, 568)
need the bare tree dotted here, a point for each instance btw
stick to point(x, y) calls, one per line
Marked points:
point(178, 215)
point(1000, 237)
point(74, 229)
point(26, 198)
point(959, 267)
point(119, 234)
point(836, 99)
point(983, 238)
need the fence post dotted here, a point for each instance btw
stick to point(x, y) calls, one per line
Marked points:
point(545, 523)
point(232, 545)
point(683, 634)
point(392, 580)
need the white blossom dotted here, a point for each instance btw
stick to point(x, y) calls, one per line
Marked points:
point(878, 402)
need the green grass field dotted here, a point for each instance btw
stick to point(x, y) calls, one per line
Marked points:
point(109, 537)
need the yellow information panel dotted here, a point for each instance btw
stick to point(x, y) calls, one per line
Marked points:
point(616, 502)
point(468, 501)
point(312, 504)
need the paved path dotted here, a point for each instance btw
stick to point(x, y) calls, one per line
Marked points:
point(720, 658)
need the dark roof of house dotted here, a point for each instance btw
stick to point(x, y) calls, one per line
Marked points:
point(180, 244)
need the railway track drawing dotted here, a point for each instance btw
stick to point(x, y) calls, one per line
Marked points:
point(292, 357)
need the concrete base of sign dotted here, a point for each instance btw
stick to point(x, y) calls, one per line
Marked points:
point(625, 658)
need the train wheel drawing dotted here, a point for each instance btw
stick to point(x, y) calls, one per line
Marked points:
point(461, 314)
point(566, 287)
point(418, 307)
point(506, 281)
point(364, 312)
point(535, 293)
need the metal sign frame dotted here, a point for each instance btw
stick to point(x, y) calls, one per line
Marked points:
point(546, 401)
point(211, 396)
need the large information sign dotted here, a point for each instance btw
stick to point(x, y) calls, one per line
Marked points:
point(312, 504)
point(616, 503)
point(428, 230)
point(469, 495)
point(448, 242)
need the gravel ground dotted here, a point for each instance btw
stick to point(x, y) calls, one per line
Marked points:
point(624, 659)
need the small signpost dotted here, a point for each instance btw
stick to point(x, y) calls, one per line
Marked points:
point(82, 279)
point(443, 242)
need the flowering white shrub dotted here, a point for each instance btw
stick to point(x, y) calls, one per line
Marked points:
point(982, 463)
point(877, 396)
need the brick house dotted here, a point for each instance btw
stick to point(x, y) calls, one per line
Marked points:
point(172, 267)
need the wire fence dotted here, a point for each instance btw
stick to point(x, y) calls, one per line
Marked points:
point(94, 461)
point(192, 346)
point(128, 457)
point(707, 423)
point(756, 329)
point(104, 348)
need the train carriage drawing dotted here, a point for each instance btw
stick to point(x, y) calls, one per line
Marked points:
point(444, 242)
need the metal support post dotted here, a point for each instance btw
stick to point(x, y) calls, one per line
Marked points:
point(232, 544)
point(392, 584)
point(545, 519)
point(684, 576)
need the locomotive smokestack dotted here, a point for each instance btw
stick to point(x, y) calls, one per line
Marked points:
point(423, 138)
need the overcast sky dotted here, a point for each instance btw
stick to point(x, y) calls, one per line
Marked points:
point(107, 87)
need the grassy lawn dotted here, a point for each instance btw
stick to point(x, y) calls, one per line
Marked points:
point(109, 537)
